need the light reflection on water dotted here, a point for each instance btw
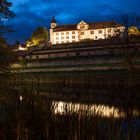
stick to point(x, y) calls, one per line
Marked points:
point(63, 108)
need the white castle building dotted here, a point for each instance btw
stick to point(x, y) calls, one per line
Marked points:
point(84, 31)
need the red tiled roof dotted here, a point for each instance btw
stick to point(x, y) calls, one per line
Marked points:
point(94, 25)
point(65, 27)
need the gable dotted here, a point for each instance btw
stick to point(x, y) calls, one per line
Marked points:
point(82, 26)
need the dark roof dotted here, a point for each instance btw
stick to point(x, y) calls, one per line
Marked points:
point(94, 25)
point(107, 24)
point(53, 20)
point(65, 27)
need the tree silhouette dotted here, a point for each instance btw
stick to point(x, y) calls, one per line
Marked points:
point(6, 55)
point(5, 15)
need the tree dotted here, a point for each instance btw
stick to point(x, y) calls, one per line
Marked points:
point(133, 30)
point(6, 55)
point(5, 15)
point(40, 35)
point(129, 21)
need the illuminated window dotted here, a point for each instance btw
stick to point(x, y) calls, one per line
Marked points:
point(67, 41)
point(91, 32)
point(100, 31)
point(57, 33)
point(73, 32)
point(62, 42)
point(73, 37)
point(57, 38)
point(73, 40)
point(118, 30)
point(67, 37)
point(57, 42)
point(67, 33)
point(62, 33)
point(82, 26)
point(82, 33)
point(62, 37)
point(109, 30)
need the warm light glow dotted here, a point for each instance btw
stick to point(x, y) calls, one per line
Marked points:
point(22, 48)
point(30, 45)
point(133, 31)
point(82, 109)
point(21, 98)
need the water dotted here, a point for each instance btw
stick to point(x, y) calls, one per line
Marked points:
point(53, 112)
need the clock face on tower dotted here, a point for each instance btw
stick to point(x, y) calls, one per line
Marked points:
point(53, 25)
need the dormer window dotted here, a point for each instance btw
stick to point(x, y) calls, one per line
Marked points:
point(82, 26)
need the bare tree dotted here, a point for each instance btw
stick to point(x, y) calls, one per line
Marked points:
point(128, 21)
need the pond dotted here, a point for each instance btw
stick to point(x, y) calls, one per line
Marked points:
point(31, 111)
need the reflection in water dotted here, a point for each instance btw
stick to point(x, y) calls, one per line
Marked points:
point(27, 114)
point(64, 108)
point(20, 98)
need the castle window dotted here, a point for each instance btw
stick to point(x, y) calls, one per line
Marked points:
point(67, 33)
point(62, 33)
point(73, 37)
point(73, 32)
point(62, 42)
point(82, 26)
point(62, 37)
point(82, 33)
point(100, 31)
point(57, 33)
point(57, 38)
point(73, 40)
point(109, 30)
point(57, 42)
point(67, 37)
point(91, 32)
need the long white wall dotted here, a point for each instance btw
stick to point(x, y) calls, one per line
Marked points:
point(78, 35)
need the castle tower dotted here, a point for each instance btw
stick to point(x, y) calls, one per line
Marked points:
point(53, 23)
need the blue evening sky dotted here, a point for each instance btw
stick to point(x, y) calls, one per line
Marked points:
point(33, 13)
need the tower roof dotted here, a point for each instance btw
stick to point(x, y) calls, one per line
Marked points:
point(53, 20)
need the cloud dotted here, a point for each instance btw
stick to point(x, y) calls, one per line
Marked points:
point(33, 13)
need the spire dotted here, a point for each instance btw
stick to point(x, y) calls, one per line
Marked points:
point(53, 20)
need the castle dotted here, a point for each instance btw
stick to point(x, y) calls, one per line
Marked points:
point(84, 31)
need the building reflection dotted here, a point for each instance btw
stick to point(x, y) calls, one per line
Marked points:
point(63, 108)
